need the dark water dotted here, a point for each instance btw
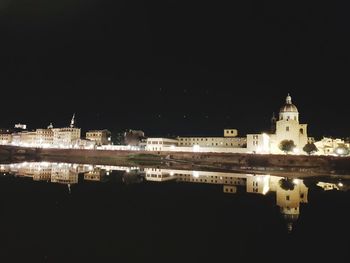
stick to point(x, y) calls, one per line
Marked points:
point(53, 212)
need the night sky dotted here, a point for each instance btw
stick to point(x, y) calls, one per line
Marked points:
point(174, 67)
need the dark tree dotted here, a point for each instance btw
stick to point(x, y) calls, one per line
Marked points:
point(133, 138)
point(287, 146)
point(310, 148)
point(286, 184)
point(118, 138)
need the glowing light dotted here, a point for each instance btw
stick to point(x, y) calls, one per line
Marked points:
point(266, 183)
point(196, 148)
point(340, 151)
point(195, 174)
point(296, 150)
point(266, 142)
point(296, 181)
point(340, 184)
point(171, 173)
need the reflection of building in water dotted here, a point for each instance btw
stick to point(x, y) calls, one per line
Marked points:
point(290, 193)
point(333, 186)
point(96, 174)
point(154, 174)
point(288, 200)
point(158, 175)
point(64, 174)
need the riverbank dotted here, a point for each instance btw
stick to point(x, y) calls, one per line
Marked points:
point(297, 164)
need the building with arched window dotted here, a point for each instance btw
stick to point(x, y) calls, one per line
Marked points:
point(287, 127)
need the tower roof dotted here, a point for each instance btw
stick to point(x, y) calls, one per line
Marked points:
point(288, 106)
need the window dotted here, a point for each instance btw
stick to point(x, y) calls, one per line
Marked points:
point(287, 128)
point(287, 197)
point(295, 118)
point(301, 131)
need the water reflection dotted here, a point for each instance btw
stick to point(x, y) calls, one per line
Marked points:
point(289, 193)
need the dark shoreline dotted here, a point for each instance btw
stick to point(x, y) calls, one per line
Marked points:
point(291, 165)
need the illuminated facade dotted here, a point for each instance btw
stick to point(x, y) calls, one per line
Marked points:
point(65, 137)
point(228, 141)
point(327, 146)
point(286, 128)
point(160, 144)
point(101, 137)
point(5, 137)
point(44, 137)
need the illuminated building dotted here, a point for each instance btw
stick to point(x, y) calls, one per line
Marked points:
point(5, 137)
point(160, 144)
point(228, 141)
point(287, 128)
point(101, 137)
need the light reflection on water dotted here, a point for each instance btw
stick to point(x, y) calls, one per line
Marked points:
point(289, 193)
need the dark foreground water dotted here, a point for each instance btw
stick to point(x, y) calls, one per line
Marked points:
point(52, 212)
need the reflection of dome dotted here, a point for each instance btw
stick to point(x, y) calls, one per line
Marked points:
point(290, 220)
point(289, 106)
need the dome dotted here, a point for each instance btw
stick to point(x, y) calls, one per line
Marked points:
point(289, 106)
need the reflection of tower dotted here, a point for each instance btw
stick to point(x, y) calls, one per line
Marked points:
point(289, 196)
point(72, 122)
point(273, 123)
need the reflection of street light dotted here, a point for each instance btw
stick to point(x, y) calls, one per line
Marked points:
point(195, 174)
point(196, 148)
point(340, 184)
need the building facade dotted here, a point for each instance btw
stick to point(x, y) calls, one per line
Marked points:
point(44, 137)
point(65, 137)
point(160, 144)
point(5, 137)
point(228, 141)
point(286, 128)
point(100, 137)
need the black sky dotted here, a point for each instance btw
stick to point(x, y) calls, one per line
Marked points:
point(174, 67)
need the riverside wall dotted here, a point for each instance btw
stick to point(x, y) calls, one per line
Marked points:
point(327, 164)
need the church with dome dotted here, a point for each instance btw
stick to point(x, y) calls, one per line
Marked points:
point(287, 127)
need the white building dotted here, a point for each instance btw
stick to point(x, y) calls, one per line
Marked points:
point(5, 137)
point(228, 141)
point(44, 137)
point(327, 146)
point(66, 137)
point(287, 128)
point(160, 144)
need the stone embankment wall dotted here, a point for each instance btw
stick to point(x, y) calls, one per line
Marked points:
point(220, 160)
